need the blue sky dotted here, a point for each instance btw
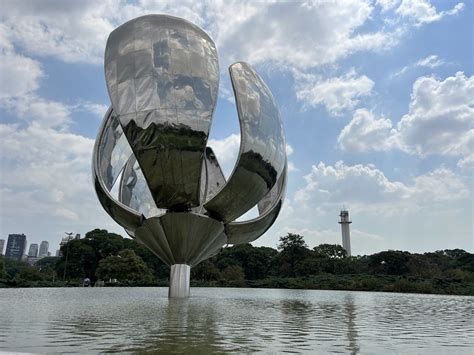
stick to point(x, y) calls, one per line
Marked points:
point(377, 99)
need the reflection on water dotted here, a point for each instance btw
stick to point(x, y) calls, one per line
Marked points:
point(236, 320)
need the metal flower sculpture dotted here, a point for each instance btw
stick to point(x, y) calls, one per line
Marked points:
point(152, 171)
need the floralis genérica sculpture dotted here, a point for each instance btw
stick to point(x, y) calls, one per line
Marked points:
point(152, 170)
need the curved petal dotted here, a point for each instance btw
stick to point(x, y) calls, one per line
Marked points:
point(262, 155)
point(134, 192)
point(182, 237)
point(248, 231)
point(107, 159)
point(162, 75)
point(212, 178)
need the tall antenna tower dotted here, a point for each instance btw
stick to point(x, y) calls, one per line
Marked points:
point(346, 234)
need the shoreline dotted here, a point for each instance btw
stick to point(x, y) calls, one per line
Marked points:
point(327, 282)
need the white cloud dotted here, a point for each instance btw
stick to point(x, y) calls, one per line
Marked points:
point(226, 150)
point(66, 213)
point(421, 11)
point(314, 33)
point(387, 4)
point(97, 109)
point(34, 109)
point(47, 170)
point(19, 75)
point(337, 94)
point(431, 62)
point(366, 188)
point(440, 117)
point(467, 162)
point(366, 133)
point(439, 121)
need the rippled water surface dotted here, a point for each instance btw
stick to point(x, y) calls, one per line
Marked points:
point(244, 320)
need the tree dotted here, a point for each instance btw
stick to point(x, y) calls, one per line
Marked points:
point(233, 273)
point(332, 251)
point(205, 271)
point(292, 242)
point(293, 250)
point(159, 268)
point(392, 262)
point(125, 266)
point(3, 273)
point(255, 261)
point(79, 260)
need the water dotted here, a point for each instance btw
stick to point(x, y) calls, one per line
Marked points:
point(236, 320)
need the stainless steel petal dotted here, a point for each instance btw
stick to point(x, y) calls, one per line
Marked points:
point(215, 179)
point(134, 191)
point(152, 235)
point(162, 75)
point(262, 153)
point(114, 147)
point(181, 237)
point(248, 231)
point(107, 159)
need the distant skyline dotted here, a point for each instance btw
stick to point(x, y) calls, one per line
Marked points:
point(377, 99)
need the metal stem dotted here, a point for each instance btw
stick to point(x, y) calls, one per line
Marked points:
point(179, 281)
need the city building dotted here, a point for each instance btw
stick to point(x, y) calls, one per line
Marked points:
point(2, 245)
point(346, 235)
point(32, 260)
point(43, 251)
point(33, 251)
point(16, 246)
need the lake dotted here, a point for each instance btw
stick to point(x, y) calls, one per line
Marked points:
point(235, 320)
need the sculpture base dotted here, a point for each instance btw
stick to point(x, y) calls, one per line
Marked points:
point(179, 281)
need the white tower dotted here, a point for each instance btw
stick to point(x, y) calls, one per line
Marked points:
point(346, 234)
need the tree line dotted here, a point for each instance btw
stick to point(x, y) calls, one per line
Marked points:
point(109, 257)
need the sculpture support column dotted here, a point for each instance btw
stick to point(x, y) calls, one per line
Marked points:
point(179, 281)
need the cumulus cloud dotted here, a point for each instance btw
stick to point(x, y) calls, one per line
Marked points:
point(314, 33)
point(226, 150)
point(387, 4)
point(421, 11)
point(34, 109)
point(337, 94)
point(440, 116)
point(367, 133)
point(44, 166)
point(467, 163)
point(49, 171)
point(366, 188)
point(19, 75)
point(439, 121)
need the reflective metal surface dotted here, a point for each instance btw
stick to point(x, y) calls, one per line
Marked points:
point(262, 155)
point(248, 231)
point(179, 281)
point(162, 75)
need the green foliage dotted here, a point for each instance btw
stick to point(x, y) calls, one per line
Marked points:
point(293, 250)
point(332, 251)
point(292, 265)
point(234, 273)
point(2, 267)
point(126, 266)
